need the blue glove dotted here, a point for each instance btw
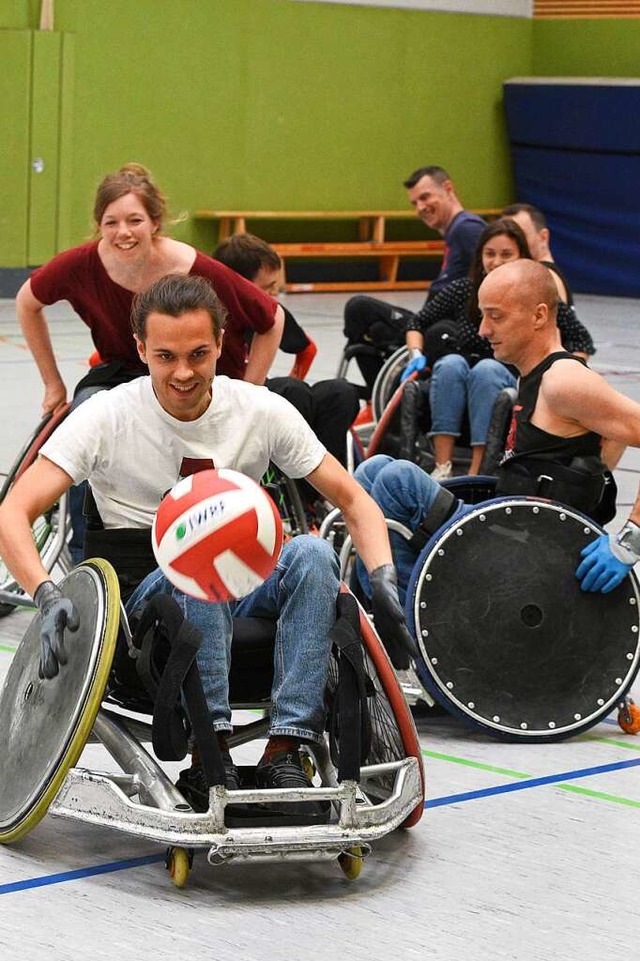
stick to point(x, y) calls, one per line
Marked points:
point(417, 363)
point(606, 564)
point(57, 613)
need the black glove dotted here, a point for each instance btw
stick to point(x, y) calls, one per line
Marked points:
point(57, 613)
point(389, 618)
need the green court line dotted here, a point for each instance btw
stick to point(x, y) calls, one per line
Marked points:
point(575, 789)
point(629, 802)
point(9, 650)
point(629, 745)
point(476, 764)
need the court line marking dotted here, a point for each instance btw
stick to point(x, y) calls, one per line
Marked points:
point(98, 869)
point(628, 745)
point(527, 782)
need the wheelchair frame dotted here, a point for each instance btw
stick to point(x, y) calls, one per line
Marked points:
point(142, 801)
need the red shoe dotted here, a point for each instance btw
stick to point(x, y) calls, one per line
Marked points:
point(304, 360)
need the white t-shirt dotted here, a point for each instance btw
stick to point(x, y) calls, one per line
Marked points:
point(133, 451)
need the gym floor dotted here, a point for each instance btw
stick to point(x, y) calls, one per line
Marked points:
point(525, 852)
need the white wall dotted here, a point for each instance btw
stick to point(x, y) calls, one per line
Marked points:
point(506, 8)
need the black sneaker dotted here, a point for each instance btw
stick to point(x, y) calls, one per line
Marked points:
point(192, 783)
point(285, 771)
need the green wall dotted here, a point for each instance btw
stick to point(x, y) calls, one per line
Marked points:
point(586, 48)
point(273, 104)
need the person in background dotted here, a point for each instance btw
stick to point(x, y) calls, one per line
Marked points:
point(470, 378)
point(556, 446)
point(368, 320)
point(534, 226)
point(100, 280)
point(256, 260)
point(329, 406)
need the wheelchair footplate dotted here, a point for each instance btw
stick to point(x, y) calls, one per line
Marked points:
point(146, 804)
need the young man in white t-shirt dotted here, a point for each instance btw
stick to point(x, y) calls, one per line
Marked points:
point(134, 442)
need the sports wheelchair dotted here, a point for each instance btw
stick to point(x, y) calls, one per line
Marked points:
point(368, 770)
point(401, 420)
point(507, 642)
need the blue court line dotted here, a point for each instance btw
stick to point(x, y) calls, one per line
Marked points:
point(80, 873)
point(531, 782)
point(432, 803)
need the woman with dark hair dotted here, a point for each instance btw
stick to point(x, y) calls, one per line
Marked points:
point(470, 378)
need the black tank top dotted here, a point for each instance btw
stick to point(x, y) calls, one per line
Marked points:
point(552, 265)
point(525, 438)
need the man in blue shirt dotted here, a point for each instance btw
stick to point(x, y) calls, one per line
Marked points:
point(433, 196)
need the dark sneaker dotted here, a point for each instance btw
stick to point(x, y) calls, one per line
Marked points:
point(192, 783)
point(285, 771)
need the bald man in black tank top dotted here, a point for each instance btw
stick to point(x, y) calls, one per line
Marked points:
point(568, 431)
point(564, 410)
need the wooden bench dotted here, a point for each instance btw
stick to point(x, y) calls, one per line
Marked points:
point(371, 243)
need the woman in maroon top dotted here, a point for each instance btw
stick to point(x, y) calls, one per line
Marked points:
point(100, 278)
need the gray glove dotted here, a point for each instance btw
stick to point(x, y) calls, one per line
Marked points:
point(389, 618)
point(57, 613)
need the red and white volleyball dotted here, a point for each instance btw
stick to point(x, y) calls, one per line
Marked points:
point(217, 535)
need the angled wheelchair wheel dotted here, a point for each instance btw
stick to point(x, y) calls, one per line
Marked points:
point(31, 447)
point(508, 641)
point(470, 488)
point(498, 429)
point(286, 496)
point(388, 380)
point(49, 530)
point(386, 437)
point(46, 723)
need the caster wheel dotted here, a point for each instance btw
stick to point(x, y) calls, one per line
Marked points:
point(351, 862)
point(629, 718)
point(178, 864)
point(308, 766)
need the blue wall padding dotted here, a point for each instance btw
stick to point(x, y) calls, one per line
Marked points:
point(576, 155)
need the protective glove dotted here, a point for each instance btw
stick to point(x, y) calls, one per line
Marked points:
point(57, 613)
point(389, 617)
point(417, 363)
point(606, 563)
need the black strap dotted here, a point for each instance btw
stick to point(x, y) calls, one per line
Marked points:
point(585, 484)
point(441, 510)
point(351, 728)
point(167, 667)
point(411, 412)
point(128, 550)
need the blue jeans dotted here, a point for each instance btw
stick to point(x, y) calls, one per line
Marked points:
point(301, 596)
point(404, 493)
point(455, 385)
